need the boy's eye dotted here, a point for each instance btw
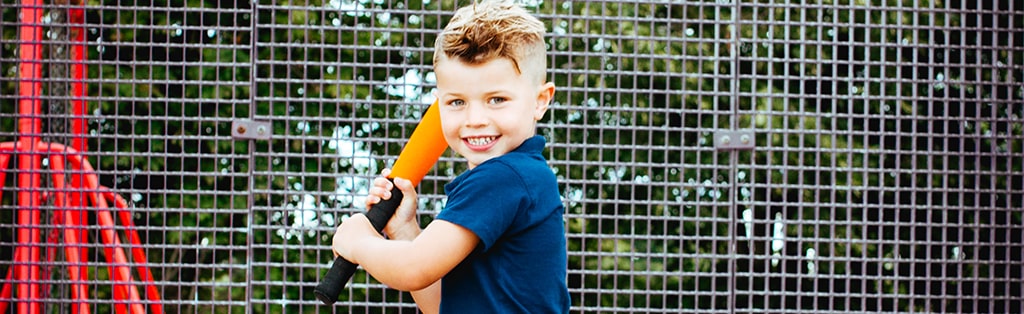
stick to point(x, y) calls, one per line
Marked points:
point(456, 103)
point(496, 100)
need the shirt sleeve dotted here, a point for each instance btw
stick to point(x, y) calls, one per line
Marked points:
point(487, 202)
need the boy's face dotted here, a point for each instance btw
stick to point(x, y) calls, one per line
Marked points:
point(488, 109)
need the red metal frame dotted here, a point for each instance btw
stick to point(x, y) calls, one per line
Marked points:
point(71, 196)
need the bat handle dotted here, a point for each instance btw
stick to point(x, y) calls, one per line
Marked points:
point(334, 281)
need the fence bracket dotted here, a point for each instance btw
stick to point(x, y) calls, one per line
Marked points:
point(734, 140)
point(250, 130)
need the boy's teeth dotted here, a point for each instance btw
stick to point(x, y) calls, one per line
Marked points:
point(480, 140)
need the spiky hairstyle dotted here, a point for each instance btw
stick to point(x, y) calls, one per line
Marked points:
point(490, 30)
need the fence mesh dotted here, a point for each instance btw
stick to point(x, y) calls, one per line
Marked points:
point(714, 156)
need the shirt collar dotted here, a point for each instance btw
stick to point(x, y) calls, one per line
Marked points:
point(532, 145)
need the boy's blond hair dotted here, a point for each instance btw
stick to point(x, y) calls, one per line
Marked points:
point(491, 30)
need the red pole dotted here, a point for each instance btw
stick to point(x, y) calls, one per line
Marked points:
point(145, 275)
point(29, 107)
point(76, 18)
point(125, 289)
point(120, 272)
point(5, 291)
point(77, 201)
point(79, 292)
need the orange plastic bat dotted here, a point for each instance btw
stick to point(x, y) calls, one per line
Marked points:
point(425, 146)
point(420, 154)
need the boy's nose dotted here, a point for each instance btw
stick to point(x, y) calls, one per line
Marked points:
point(476, 115)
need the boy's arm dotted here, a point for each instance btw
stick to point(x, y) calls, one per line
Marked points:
point(398, 252)
point(428, 299)
point(407, 265)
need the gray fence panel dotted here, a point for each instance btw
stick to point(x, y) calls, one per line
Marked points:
point(714, 157)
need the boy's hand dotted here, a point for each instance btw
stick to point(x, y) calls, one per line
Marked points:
point(350, 233)
point(404, 224)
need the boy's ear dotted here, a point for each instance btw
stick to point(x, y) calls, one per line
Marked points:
point(545, 93)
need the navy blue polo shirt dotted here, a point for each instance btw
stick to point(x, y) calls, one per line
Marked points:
point(512, 203)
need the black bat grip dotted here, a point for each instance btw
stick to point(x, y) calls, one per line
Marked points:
point(334, 281)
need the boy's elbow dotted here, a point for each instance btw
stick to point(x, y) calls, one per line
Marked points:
point(413, 281)
point(405, 275)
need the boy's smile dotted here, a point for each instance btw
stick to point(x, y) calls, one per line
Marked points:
point(488, 109)
point(480, 143)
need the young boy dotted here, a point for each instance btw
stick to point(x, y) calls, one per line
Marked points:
point(499, 244)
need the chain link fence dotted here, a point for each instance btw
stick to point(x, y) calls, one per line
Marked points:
point(193, 156)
